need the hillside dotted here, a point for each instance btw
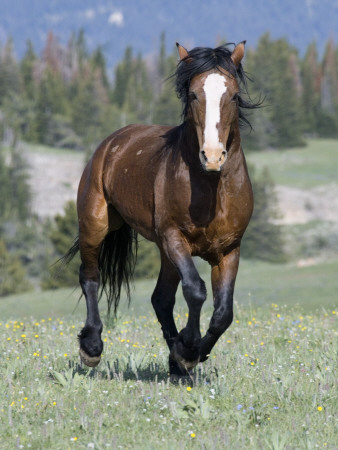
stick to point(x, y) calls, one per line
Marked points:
point(115, 25)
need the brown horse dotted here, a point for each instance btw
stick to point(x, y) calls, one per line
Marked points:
point(185, 188)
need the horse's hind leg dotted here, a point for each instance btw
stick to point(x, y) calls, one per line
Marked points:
point(93, 227)
point(163, 301)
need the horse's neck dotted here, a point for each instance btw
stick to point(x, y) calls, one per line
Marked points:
point(189, 146)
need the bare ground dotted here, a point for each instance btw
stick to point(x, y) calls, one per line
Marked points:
point(299, 206)
point(53, 180)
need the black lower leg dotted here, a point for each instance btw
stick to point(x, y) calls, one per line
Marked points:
point(186, 350)
point(90, 341)
point(163, 301)
point(220, 321)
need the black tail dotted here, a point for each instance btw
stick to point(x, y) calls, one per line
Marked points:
point(117, 260)
point(66, 259)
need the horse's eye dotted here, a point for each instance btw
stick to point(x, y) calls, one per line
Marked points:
point(192, 96)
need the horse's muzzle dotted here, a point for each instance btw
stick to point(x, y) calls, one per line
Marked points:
point(214, 161)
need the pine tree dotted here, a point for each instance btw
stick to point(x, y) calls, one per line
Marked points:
point(122, 76)
point(274, 77)
point(15, 194)
point(27, 65)
point(311, 79)
point(9, 72)
point(327, 124)
point(99, 66)
point(167, 108)
point(138, 97)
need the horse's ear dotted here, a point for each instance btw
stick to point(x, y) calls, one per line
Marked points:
point(238, 53)
point(183, 53)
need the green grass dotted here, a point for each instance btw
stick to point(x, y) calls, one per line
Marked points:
point(258, 284)
point(269, 384)
point(305, 167)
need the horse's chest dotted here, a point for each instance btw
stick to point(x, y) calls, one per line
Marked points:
point(213, 229)
point(220, 234)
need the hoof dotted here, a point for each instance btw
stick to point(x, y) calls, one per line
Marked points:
point(90, 361)
point(179, 379)
point(184, 363)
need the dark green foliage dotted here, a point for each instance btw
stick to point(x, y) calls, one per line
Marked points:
point(66, 98)
point(274, 65)
point(122, 76)
point(148, 259)
point(12, 273)
point(27, 71)
point(9, 71)
point(14, 215)
point(14, 190)
point(263, 238)
point(167, 107)
point(62, 234)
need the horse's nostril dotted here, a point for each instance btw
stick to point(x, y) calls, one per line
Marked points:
point(204, 155)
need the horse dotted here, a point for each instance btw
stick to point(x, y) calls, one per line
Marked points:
point(185, 188)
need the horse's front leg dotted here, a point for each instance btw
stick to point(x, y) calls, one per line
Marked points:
point(186, 346)
point(223, 278)
point(163, 301)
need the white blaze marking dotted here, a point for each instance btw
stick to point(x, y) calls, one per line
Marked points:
point(214, 88)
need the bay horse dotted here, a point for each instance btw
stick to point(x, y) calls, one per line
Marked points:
point(187, 189)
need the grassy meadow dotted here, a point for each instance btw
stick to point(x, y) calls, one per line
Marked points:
point(268, 384)
point(304, 167)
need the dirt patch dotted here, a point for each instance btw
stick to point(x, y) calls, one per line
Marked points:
point(53, 180)
point(299, 206)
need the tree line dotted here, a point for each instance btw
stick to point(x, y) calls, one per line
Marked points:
point(66, 98)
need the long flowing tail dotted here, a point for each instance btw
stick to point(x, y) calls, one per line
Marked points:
point(117, 259)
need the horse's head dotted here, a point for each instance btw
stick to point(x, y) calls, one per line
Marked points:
point(210, 96)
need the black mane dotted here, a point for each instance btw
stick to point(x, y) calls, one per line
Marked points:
point(203, 59)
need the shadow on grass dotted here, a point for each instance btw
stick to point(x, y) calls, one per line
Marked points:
point(151, 372)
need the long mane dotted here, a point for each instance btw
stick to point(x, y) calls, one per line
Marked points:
point(203, 59)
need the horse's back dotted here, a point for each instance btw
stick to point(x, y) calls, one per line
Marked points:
point(125, 167)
